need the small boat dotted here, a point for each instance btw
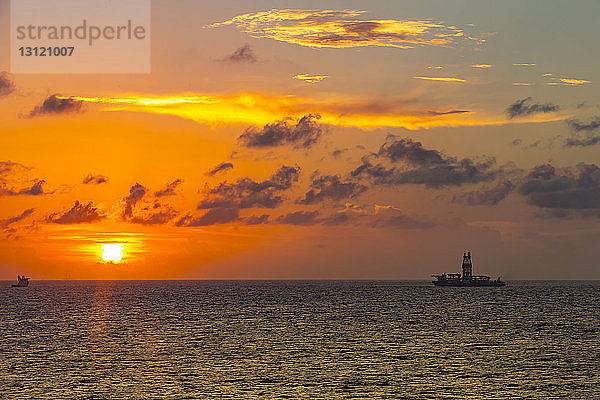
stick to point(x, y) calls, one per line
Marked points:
point(467, 278)
point(22, 281)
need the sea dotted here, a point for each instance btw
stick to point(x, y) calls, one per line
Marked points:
point(299, 340)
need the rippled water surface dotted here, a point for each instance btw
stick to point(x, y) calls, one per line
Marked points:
point(236, 339)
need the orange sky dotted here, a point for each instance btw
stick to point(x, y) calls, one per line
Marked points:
point(310, 142)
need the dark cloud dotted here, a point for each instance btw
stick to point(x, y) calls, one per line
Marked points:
point(247, 193)
point(337, 218)
point(423, 166)
point(5, 222)
point(405, 149)
point(571, 188)
point(331, 187)
point(585, 134)
point(95, 179)
point(303, 134)
point(77, 214)
point(579, 126)
point(136, 192)
point(156, 215)
point(582, 142)
point(244, 54)
point(257, 219)
point(299, 218)
point(517, 142)
point(35, 190)
point(488, 196)
point(53, 105)
point(7, 86)
point(436, 113)
point(211, 217)
point(224, 166)
point(524, 107)
point(169, 190)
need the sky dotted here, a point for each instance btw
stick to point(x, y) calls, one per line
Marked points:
point(313, 140)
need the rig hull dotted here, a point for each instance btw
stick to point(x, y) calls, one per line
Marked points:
point(469, 284)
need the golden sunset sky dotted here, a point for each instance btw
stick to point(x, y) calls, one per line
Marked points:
point(313, 140)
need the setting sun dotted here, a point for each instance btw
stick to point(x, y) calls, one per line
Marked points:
point(112, 252)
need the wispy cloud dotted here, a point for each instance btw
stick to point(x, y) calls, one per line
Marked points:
point(5, 222)
point(261, 109)
point(441, 79)
point(224, 166)
point(168, 190)
point(79, 213)
point(482, 66)
point(244, 54)
point(523, 84)
point(7, 86)
point(94, 179)
point(525, 107)
point(524, 64)
point(568, 82)
point(310, 78)
point(342, 29)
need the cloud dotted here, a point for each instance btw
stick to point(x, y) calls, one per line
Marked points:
point(423, 166)
point(523, 84)
point(482, 66)
point(161, 214)
point(299, 218)
point(244, 54)
point(10, 167)
point(304, 134)
point(136, 192)
point(311, 78)
point(169, 190)
point(34, 190)
point(331, 187)
point(77, 214)
point(579, 126)
point(584, 134)
point(5, 222)
point(56, 104)
point(343, 29)
point(247, 193)
point(95, 179)
point(568, 82)
point(260, 109)
point(221, 215)
point(7, 86)
point(257, 219)
point(569, 188)
point(224, 166)
point(439, 79)
point(524, 65)
point(582, 142)
point(488, 196)
point(524, 107)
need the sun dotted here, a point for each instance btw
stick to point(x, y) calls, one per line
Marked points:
point(112, 252)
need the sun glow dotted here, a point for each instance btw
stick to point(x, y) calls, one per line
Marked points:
point(112, 252)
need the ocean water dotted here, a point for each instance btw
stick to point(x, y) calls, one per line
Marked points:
point(298, 339)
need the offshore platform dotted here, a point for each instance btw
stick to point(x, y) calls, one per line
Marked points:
point(467, 278)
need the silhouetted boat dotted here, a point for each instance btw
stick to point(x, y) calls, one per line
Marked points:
point(467, 278)
point(22, 281)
